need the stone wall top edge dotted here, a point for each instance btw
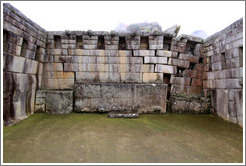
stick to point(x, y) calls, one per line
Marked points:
point(219, 33)
point(21, 15)
point(119, 83)
point(111, 33)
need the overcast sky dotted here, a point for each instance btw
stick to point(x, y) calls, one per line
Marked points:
point(105, 16)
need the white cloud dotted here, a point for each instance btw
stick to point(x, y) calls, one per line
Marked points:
point(208, 16)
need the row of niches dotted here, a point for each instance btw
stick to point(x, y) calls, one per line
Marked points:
point(114, 43)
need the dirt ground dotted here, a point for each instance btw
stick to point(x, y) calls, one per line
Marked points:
point(93, 138)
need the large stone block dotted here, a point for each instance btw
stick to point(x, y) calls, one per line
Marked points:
point(59, 75)
point(165, 69)
point(181, 90)
point(131, 77)
point(153, 77)
point(164, 53)
point(155, 60)
point(31, 66)
point(196, 82)
point(53, 67)
point(234, 83)
point(59, 102)
point(179, 63)
point(180, 81)
point(222, 103)
point(144, 53)
point(189, 57)
point(192, 73)
point(121, 97)
point(59, 83)
point(13, 63)
point(24, 95)
point(186, 106)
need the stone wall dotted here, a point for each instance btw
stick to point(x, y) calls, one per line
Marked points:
point(110, 57)
point(223, 79)
point(24, 44)
point(42, 67)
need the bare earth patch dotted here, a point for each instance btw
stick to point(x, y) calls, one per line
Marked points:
point(92, 138)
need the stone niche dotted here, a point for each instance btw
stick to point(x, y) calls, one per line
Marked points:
point(105, 97)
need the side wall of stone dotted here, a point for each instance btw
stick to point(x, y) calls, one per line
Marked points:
point(223, 76)
point(24, 44)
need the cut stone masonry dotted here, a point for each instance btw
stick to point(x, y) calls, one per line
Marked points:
point(45, 71)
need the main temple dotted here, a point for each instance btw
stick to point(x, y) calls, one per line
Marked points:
point(61, 72)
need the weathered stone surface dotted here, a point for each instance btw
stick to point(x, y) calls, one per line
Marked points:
point(165, 53)
point(179, 63)
point(165, 69)
point(189, 57)
point(152, 77)
point(180, 81)
point(144, 53)
point(187, 106)
point(131, 97)
point(155, 60)
point(59, 102)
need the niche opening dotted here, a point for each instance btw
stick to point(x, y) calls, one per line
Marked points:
point(100, 43)
point(144, 43)
point(79, 42)
point(57, 43)
point(122, 43)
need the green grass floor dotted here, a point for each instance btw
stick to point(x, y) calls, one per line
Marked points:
point(79, 138)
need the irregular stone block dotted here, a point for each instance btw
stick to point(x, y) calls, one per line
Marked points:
point(192, 73)
point(196, 82)
point(166, 69)
point(181, 90)
point(180, 81)
point(198, 67)
point(186, 106)
point(179, 63)
point(189, 57)
point(59, 102)
point(152, 77)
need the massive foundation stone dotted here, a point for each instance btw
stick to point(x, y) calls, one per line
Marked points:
point(59, 102)
point(105, 97)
